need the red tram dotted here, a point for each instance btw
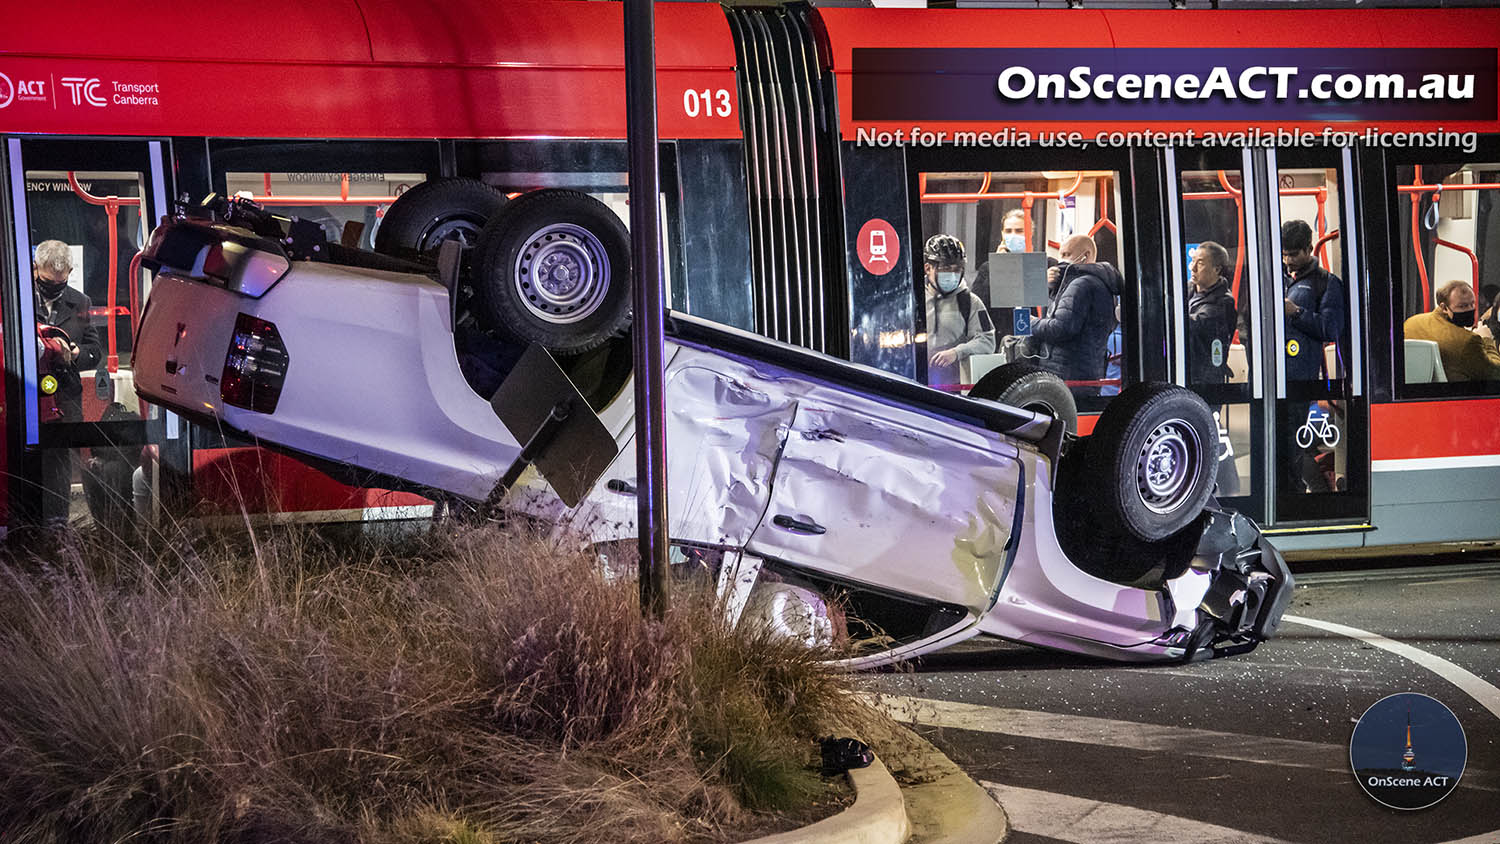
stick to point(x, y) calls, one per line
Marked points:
point(793, 207)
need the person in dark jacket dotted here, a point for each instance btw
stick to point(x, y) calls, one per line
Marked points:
point(1314, 305)
point(1211, 315)
point(61, 306)
point(1315, 312)
point(1074, 335)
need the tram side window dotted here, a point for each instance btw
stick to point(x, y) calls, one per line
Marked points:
point(1041, 258)
point(88, 227)
point(333, 200)
point(1448, 230)
point(85, 226)
point(1217, 290)
point(1313, 279)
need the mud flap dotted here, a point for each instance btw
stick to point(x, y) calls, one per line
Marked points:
point(579, 450)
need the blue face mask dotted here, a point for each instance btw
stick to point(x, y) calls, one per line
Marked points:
point(948, 282)
point(1015, 243)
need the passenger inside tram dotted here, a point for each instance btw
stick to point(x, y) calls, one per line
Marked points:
point(1448, 225)
point(1211, 315)
point(1013, 231)
point(67, 344)
point(1467, 354)
point(958, 324)
point(994, 212)
point(1489, 320)
point(1314, 304)
point(1072, 339)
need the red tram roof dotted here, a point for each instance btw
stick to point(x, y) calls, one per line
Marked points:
point(353, 68)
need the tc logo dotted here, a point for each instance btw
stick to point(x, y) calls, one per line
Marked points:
point(7, 91)
point(83, 90)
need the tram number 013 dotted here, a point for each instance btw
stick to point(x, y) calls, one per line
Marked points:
point(707, 103)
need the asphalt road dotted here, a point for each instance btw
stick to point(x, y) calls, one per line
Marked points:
point(1253, 748)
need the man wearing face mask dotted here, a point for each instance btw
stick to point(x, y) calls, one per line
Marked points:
point(958, 326)
point(1013, 231)
point(58, 304)
point(1466, 356)
point(1012, 241)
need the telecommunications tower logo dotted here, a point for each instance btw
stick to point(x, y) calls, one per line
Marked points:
point(1408, 751)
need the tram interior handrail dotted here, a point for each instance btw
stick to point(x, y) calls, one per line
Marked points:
point(112, 206)
point(1416, 190)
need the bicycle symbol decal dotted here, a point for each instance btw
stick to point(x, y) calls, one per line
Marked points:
point(1318, 425)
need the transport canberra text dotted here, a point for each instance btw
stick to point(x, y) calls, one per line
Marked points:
point(1253, 83)
point(1256, 137)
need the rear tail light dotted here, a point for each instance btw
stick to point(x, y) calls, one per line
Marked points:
point(255, 367)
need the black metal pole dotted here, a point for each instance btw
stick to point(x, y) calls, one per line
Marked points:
point(648, 304)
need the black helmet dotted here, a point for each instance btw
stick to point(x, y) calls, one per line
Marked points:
point(943, 250)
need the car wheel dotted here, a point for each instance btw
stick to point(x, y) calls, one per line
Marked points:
point(1030, 387)
point(1153, 459)
point(423, 218)
point(553, 268)
point(1098, 547)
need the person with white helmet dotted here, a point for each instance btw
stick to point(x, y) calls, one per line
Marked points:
point(958, 325)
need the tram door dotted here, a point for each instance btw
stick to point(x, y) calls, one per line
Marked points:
point(1269, 329)
point(77, 213)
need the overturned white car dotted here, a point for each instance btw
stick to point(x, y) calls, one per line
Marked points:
point(838, 503)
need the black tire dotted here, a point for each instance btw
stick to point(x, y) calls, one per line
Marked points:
point(1029, 387)
point(1152, 460)
point(420, 220)
point(584, 247)
point(1099, 548)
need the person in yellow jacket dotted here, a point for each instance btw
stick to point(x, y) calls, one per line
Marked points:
point(1467, 356)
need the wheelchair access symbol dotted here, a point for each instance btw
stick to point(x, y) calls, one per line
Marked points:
point(1317, 425)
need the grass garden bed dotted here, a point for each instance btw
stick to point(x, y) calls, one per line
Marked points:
point(470, 685)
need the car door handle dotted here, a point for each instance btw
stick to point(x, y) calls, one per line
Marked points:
point(623, 487)
point(796, 524)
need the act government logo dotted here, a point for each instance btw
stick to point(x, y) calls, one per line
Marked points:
point(1408, 751)
point(7, 90)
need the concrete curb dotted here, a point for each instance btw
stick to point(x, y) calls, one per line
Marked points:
point(878, 815)
point(945, 804)
point(955, 810)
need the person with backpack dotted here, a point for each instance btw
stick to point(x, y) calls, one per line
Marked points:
point(958, 325)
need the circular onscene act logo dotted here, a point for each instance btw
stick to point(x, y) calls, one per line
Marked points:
point(1408, 751)
point(7, 90)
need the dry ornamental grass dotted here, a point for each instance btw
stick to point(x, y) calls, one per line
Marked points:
point(482, 685)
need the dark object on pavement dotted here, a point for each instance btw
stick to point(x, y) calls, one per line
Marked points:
point(842, 754)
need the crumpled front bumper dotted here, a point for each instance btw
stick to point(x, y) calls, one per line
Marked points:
point(1249, 590)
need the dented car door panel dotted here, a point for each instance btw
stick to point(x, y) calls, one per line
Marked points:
point(868, 501)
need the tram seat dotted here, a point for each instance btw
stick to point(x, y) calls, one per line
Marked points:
point(1423, 363)
point(978, 366)
point(1239, 368)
